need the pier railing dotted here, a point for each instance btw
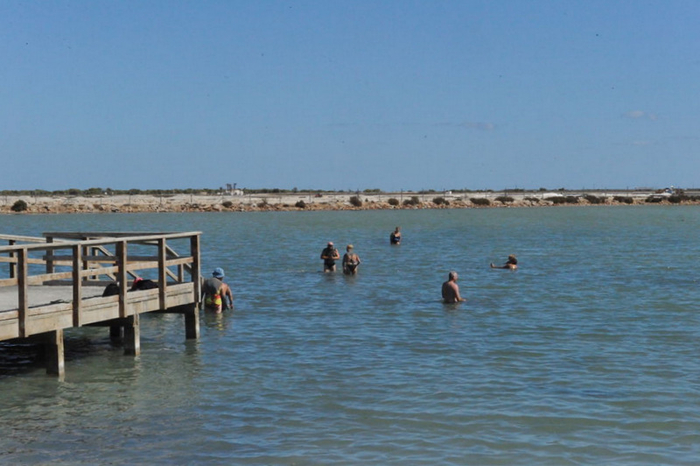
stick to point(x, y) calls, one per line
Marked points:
point(82, 264)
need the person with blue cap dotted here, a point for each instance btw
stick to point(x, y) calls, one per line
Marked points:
point(216, 295)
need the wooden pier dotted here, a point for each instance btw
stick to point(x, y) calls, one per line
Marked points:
point(56, 282)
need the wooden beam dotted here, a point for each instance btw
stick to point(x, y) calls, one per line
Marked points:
point(54, 353)
point(196, 268)
point(23, 290)
point(192, 322)
point(162, 273)
point(121, 277)
point(132, 336)
point(77, 284)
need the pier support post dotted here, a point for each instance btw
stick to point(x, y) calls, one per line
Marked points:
point(132, 336)
point(54, 353)
point(192, 322)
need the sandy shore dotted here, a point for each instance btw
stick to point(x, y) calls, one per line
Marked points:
point(301, 201)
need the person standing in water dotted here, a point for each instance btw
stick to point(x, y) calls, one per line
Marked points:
point(329, 255)
point(350, 261)
point(216, 295)
point(450, 290)
point(395, 237)
point(511, 263)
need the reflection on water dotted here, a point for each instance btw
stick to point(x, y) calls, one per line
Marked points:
point(585, 355)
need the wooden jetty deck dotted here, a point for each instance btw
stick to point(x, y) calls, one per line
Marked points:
point(56, 282)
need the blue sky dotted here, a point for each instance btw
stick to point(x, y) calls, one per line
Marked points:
point(346, 95)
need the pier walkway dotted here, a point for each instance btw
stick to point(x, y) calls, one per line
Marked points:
point(56, 282)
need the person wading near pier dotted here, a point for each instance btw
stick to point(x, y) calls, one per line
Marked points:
point(450, 290)
point(329, 255)
point(216, 295)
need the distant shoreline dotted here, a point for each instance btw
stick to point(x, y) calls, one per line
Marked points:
point(314, 202)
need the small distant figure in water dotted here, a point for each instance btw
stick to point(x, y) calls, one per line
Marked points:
point(350, 261)
point(216, 295)
point(450, 290)
point(329, 255)
point(511, 263)
point(395, 237)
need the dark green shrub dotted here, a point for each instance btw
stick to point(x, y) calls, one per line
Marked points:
point(393, 201)
point(300, 205)
point(227, 204)
point(571, 199)
point(481, 201)
point(441, 201)
point(558, 200)
point(413, 201)
point(533, 199)
point(675, 199)
point(653, 199)
point(355, 201)
point(19, 206)
point(623, 199)
point(504, 199)
point(594, 199)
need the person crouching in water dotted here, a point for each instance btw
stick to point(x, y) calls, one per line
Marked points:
point(350, 261)
point(216, 295)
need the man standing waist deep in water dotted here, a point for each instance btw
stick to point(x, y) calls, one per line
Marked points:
point(450, 290)
point(329, 255)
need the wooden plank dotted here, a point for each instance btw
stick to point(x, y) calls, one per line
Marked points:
point(50, 322)
point(121, 277)
point(23, 291)
point(77, 284)
point(196, 268)
point(162, 273)
point(9, 330)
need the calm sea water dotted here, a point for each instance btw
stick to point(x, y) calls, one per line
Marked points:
point(588, 354)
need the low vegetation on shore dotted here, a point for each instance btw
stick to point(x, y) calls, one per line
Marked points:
point(202, 200)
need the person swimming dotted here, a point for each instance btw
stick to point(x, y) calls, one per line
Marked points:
point(511, 263)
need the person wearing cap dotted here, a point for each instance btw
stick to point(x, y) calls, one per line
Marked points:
point(450, 290)
point(511, 263)
point(217, 295)
point(329, 255)
point(350, 261)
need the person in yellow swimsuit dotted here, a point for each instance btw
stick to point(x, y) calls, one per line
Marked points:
point(216, 295)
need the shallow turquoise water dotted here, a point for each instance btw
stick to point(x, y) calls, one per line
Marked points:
point(586, 355)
